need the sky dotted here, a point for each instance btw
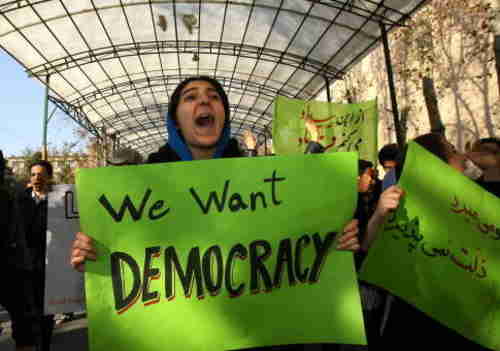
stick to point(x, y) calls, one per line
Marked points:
point(21, 106)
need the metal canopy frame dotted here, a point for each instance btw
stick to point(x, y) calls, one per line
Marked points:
point(113, 64)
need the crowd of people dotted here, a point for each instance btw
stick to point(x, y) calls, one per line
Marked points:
point(198, 125)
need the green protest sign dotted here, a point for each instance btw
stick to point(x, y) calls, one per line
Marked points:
point(439, 251)
point(221, 254)
point(340, 127)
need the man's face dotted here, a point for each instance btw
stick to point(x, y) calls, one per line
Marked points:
point(39, 178)
point(388, 165)
point(200, 115)
point(485, 155)
point(366, 181)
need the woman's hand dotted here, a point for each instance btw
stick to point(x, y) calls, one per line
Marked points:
point(349, 240)
point(82, 250)
point(389, 201)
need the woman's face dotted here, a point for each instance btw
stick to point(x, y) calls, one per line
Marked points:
point(200, 115)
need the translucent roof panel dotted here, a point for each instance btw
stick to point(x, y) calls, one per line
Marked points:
point(112, 65)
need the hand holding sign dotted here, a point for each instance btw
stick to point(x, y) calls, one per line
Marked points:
point(227, 260)
point(444, 241)
point(349, 241)
point(82, 250)
point(389, 201)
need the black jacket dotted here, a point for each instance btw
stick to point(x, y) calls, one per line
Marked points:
point(167, 154)
point(17, 214)
point(34, 225)
point(492, 187)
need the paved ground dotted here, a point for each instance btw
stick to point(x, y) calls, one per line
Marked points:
point(68, 336)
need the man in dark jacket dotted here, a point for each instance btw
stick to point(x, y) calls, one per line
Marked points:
point(33, 210)
point(16, 266)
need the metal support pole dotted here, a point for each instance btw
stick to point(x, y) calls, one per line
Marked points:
point(265, 144)
point(45, 119)
point(392, 88)
point(114, 143)
point(104, 148)
point(328, 95)
point(52, 114)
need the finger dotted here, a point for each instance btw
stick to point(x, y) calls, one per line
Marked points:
point(394, 193)
point(348, 236)
point(86, 249)
point(351, 225)
point(350, 243)
point(395, 189)
point(84, 253)
point(77, 260)
point(392, 197)
point(84, 246)
point(390, 202)
point(83, 237)
point(353, 248)
point(393, 204)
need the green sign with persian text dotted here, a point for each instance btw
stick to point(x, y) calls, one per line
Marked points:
point(339, 127)
point(445, 238)
point(221, 254)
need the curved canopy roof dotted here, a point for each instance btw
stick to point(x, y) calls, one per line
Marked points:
point(112, 65)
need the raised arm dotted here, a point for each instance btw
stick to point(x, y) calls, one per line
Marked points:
point(389, 201)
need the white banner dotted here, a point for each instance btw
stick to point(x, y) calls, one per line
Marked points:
point(64, 289)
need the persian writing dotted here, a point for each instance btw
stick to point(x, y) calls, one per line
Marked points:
point(334, 132)
point(472, 216)
point(460, 258)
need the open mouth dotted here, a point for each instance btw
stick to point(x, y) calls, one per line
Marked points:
point(204, 120)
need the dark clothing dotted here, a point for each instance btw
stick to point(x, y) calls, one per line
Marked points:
point(405, 322)
point(365, 208)
point(492, 187)
point(167, 154)
point(6, 211)
point(34, 226)
point(372, 297)
point(13, 246)
point(16, 297)
point(314, 148)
